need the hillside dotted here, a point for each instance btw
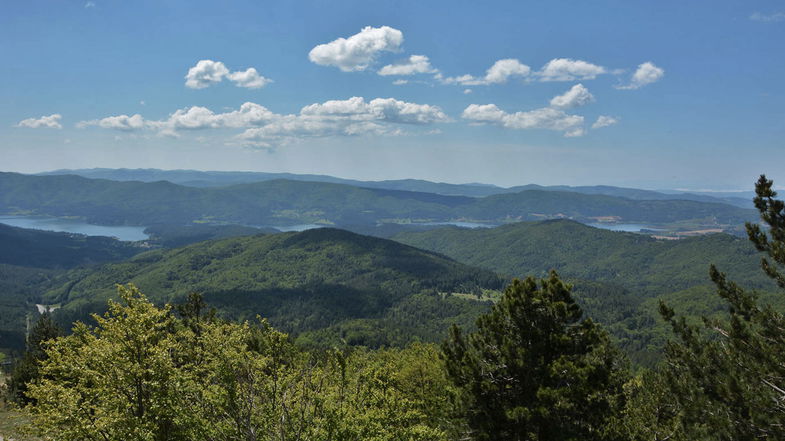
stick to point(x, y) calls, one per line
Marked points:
point(643, 270)
point(31, 262)
point(48, 249)
point(284, 202)
point(309, 281)
point(644, 265)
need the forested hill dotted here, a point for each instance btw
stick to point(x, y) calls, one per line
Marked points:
point(48, 249)
point(331, 283)
point(283, 202)
point(644, 265)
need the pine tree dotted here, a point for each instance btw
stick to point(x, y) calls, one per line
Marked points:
point(27, 369)
point(534, 370)
point(728, 376)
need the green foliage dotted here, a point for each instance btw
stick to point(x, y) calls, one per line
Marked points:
point(534, 370)
point(619, 276)
point(174, 236)
point(726, 375)
point(48, 249)
point(27, 370)
point(641, 264)
point(302, 282)
point(144, 374)
point(20, 289)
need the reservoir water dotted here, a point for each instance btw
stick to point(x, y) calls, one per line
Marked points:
point(460, 224)
point(74, 226)
point(629, 228)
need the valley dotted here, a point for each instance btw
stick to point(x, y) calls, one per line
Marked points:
point(351, 284)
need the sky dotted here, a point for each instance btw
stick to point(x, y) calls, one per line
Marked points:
point(666, 94)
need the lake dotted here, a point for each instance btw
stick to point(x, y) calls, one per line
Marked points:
point(74, 226)
point(460, 224)
point(630, 228)
point(300, 227)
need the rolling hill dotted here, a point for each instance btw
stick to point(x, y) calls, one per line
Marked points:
point(49, 249)
point(322, 284)
point(646, 266)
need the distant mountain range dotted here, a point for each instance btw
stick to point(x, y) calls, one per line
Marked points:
point(195, 178)
point(286, 202)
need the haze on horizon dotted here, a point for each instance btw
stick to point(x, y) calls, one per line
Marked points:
point(638, 94)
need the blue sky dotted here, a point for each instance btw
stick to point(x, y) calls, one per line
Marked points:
point(649, 94)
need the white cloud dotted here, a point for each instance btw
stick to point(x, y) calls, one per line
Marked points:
point(467, 91)
point(545, 118)
point(604, 121)
point(566, 69)
point(502, 70)
point(773, 17)
point(205, 73)
point(47, 122)
point(357, 52)
point(208, 72)
point(89, 5)
point(499, 73)
point(119, 122)
point(249, 78)
point(400, 82)
point(646, 73)
point(577, 96)
point(262, 127)
point(414, 65)
point(381, 109)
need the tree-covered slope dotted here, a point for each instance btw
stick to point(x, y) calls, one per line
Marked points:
point(644, 265)
point(48, 249)
point(306, 281)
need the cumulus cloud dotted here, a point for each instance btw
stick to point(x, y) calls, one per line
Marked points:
point(350, 117)
point(646, 73)
point(566, 69)
point(205, 74)
point(357, 52)
point(499, 73)
point(47, 122)
point(604, 121)
point(414, 65)
point(379, 109)
point(208, 72)
point(546, 118)
point(577, 96)
point(773, 17)
point(119, 122)
point(248, 78)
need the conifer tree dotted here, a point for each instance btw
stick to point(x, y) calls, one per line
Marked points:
point(728, 376)
point(27, 369)
point(534, 370)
